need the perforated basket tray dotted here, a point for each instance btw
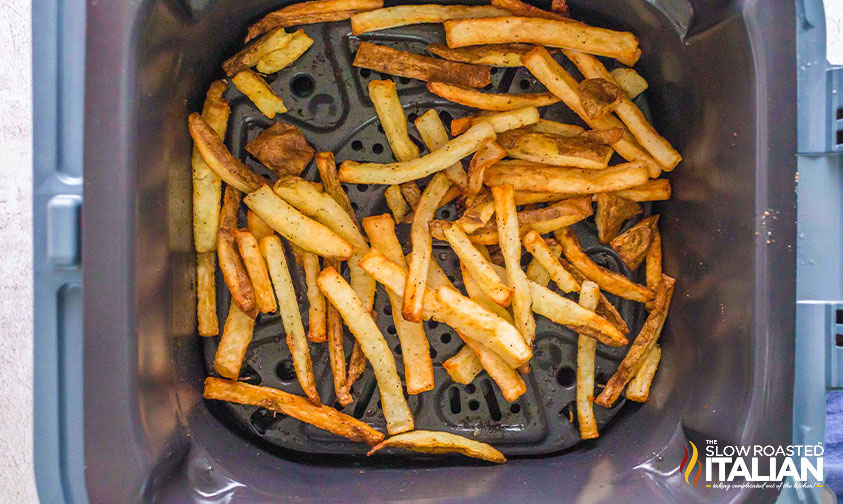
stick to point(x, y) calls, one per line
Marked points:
point(327, 99)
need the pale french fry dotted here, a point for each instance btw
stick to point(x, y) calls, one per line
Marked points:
point(396, 203)
point(234, 272)
point(235, 339)
point(316, 315)
point(586, 353)
point(632, 245)
point(391, 116)
point(464, 366)
point(300, 408)
point(336, 353)
point(441, 442)
point(552, 149)
point(252, 53)
point(607, 280)
point(487, 156)
point(331, 183)
point(652, 190)
point(536, 272)
point(273, 252)
point(536, 245)
point(297, 227)
point(644, 342)
point(415, 66)
point(489, 101)
point(527, 176)
point(639, 387)
point(436, 276)
point(255, 266)
point(434, 136)
point(477, 294)
point(565, 312)
point(479, 210)
point(654, 261)
point(414, 292)
point(282, 58)
point(314, 11)
point(207, 187)
point(623, 46)
point(612, 212)
point(630, 81)
point(395, 409)
point(206, 294)
point(215, 154)
point(509, 380)
point(519, 8)
point(498, 55)
point(545, 126)
point(438, 160)
point(481, 271)
point(259, 92)
point(402, 15)
point(257, 226)
point(510, 119)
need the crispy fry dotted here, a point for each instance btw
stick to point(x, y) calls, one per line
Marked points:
point(395, 409)
point(509, 380)
point(255, 266)
point(559, 7)
point(652, 190)
point(315, 11)
point(336, 352)
point(552, 149)
point(273, 252)
point(257, 226)
point(527, 176)
point(586, 352)
point(498, 55)
point(259, 92)
point(644, 342)
point(632, 244)
point(489, 101)
point(411, 193)
point(324, 417)
point(434, 136)
point(356, 365)
point(604, 307)
point(568, 34)
point(545, 126)
point(415, 66)
point(233, 270)
point(630, 81)
point(206, 294)
point(503, 121)
point(607, 280)
point(612, 212)
point(438, 160)
point(282, 58)
point(654, 260)
point(519, 8)
point(396, 203)
point(402, 15)
point(536, 271)
point(477, 294)
point(479, 209)
point(296, 227)
point(481, 271)
point(215, 154)
point(441, 442)
point(252, 53)
point(330, 181)
point(488, 155)
point(464, 366)
point(282, 148)
point(536, 245)
point(207, 188)
point(235, 339)
point(639, 387)
point(599, 96)
point(460, 125)
point(605, 137)
point(316, 315)
point(565, 312)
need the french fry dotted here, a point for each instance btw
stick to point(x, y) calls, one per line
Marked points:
point(552, 149)
point(652, 190)
point(414, 292)
point(415, 66)
point(623, 46)
point(273, 252)
point(415, 348)
point(282, 148)
point(282, 58)
point(330, 181)
point(395, 409)
point(477, 294)
point(297, 227)
point(315, 11)
point(207, 188)
point(559, 7)
point(436, 276)
point(257, 226)
point(316, 315)
point(256, 268)
point(300, 408)
point(464, 366)
point(509, 380)
point(536, 245)
point(391, 116)
point(231, 264)
point(487, 156)
point(498, 55)
point(489, 101)
point(644, 342)
point(604, 307)
point(639, 387)
point(630, 81)
point(536, 271)
point(658, 147)
point(206, 294)
point(519, 8)
point(612, 212)
point(568, 313)
point(527, 176)
point(508, 119)
point(402, 15)
point(441, 442)
point(479, 209)
point(252, 53)
point(599, 97)
point(460, 125)
point(434, 136)
point(356, 365)
point(396, 203)
point(654, 261)
point(215, 154)
point(411, 193)
point(438, 160)
point(586, 353)
point(481, 271)
point(632, 245)
point(235, 339)
point(557, 128)
point(259, 92)
point(607, 280)
point(336, 353)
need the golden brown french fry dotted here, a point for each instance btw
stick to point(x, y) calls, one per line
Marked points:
point(215, 154)
point(558, 128)
point(252, 53)
point(607, 280)
point(404, 171)
point(411, 193)
point(487, 156)
point(639, 387)
point(519, 8)
point(612, 212)
point(395, 409)
point(231, 264)
point(314, 11)
point(436, 276)
point(559, 7)
point(644, 342)
point(528, 176)
point(324, 417)
point(536, 245)
point(257, 226)
point(630, 81)
point(464, 366)
point(282, 58)
point(403, 15)
point(552, 149)
point(273, 252)
point(396, 203)
point(297, 227)
point(441, 442)
point(479, 210)
point(654, 261)
point(632, 244)
point(256, 268)
point(356, 365)
point(460, 125)
point(623, 46)
point(282, 148)
point(509, 380)
point(481, 271)
point(207, 187)
point(415, 66)
point(414, 292)
point(316, 315)
point(235, 339)
point(536, 272)
point(565, 312)
point(652, 190)
point(259, 92)
point(604, 307)
point(489, 101)
point(498, 55)
point(391, 116)
point(477, 294)
point(336, 353)
point(434, 136)
point(586, 352)
point(600, 97)
point(330, 181)
point(206, 294)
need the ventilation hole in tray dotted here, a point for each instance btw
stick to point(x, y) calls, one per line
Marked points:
point(357, 145)
point(380, 406)
point(445, 338)
point(398, 350)
point(262, 420)
point(840, 137)
point(487, 87)
point(839, 317)
point(566, 377)
point(838, 340)
point(362, 187)
point(354, 206)
point(387, 309)
point(302, 85)
point(412, 116)
point(443, 256)
point(568, 411)
point(363, 401)
point(432, 353)
point(446, 117)
point(491, 400)
point(445, 213)
point(524, 84)
point(515, 408)
point(380, 128)
point(249, 375)
point(365, 73)
point(493, 71)
point(473, 405)
point(432, 324)
point(385, 76)
point(470, 388)
point(377, 148)
point(840, 113)
point(285, 370)
point(452, 278)
point(454, 400)
point(391, 329)
point(404, 80)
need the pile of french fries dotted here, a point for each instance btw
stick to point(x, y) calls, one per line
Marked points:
point(528, 180)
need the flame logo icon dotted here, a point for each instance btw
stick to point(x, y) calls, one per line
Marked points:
point(688, 468)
